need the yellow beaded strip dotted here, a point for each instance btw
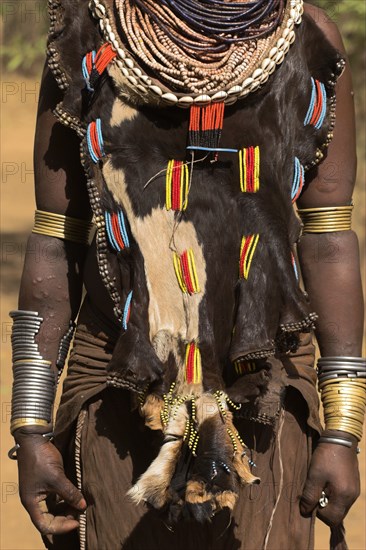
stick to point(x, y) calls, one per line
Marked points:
point(247, 249)
point(249, 164)
point(177, 185)
point(193, 366)
point(62, 227)
point(344, 402)
point(326, 219)
point(186, 273)
point(234, 436)
point(244, 367)
point(170, 410)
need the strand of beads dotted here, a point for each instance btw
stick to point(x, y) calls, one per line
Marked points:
point(247, 249)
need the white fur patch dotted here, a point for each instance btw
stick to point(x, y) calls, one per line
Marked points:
point(169, 309)
point(120, 112)
point(153, 485)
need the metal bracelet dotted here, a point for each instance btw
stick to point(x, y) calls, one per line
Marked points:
point(34, 382)
point(342, 363)
point(62, 227)
point(337, 440)
point(12, 453)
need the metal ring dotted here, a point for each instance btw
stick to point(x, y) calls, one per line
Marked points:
point(323, 501)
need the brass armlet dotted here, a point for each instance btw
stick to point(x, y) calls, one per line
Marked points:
point(62, 227)
point(326, 219)
point(20, 422)
point(342, 385)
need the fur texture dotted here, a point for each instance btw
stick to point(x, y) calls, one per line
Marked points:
point(230, 318)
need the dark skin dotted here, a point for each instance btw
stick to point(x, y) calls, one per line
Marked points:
point(333, 467)
point(330, 264)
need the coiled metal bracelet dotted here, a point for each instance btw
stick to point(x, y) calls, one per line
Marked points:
point(342, 384)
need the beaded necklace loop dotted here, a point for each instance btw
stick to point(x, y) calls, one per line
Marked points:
point(206, 67)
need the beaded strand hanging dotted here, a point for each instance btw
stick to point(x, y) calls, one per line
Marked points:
point(318, 105)
point(94, 64)
point(249, 162)
point(185, 270)
point(95, 141)
point(193, 368)
point(177, 185)
point(247, 249)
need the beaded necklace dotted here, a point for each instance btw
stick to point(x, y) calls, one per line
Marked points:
point(226, 21)
point(159, 69)
point(194, 48)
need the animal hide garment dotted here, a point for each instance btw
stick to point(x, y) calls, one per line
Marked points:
point(201, 266)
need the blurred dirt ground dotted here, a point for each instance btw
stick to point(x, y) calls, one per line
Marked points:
point(18, 110)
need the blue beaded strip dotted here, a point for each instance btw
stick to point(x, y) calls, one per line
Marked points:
point(122, 228)
point(85, 72)
point(108, 226)
point(295, 267)
point(214, 149)
point(298, 181)
point(312, 103)
point(126, 310)
point(319, 124)
point(98, 127)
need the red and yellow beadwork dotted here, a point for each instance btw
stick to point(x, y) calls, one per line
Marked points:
point(185, 270)
point(244, 367)
point(193, 367)
point(249, 167)
point(177, 185)
point(247, 249)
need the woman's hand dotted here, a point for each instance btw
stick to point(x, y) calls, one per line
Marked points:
point(334, 470)
point(41, 474)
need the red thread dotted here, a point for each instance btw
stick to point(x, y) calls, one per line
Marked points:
point(117, 231)
point(244, 252)
point(176, 184)
point(301, 185)
point(185, 271)
point(250, 170)
point(209, 117)
point(128, 315)
point(190, 364)
point(194, 118)
point(89, 62)
point(94, 139)
point(103, 57)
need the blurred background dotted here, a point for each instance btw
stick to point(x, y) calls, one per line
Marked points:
point(23, 29)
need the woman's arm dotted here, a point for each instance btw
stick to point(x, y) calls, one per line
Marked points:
point(331, 271)
point(51, 285)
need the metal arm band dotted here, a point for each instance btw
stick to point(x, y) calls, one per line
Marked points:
point(342, 384)
point(326, 219)
point(12, 453)
point(62, 227)
point(336, 440)
point(34, 381)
